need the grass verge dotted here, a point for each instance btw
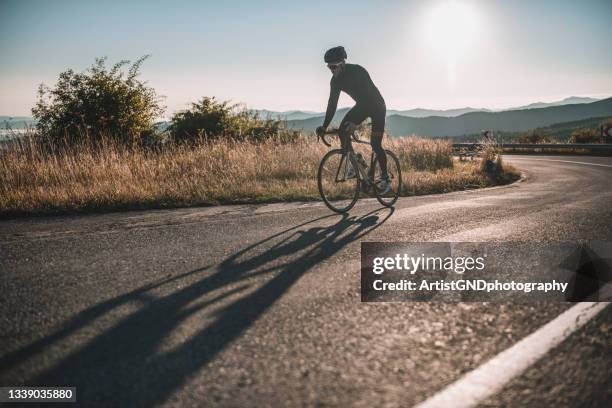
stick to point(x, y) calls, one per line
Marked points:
point(35, 180)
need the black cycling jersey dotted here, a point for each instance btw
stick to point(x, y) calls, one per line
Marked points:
point(356, 82)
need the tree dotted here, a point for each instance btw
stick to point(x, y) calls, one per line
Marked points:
point(98, 103)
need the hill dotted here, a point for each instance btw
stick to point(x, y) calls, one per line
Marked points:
point(415, 113)
point(559, 132)
point(419, 112)
point(474, 122)
point(423, 113)
point(287, 115)
point(567, 101)
point(562, 131)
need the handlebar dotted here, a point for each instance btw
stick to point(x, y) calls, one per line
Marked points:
point(337, 132)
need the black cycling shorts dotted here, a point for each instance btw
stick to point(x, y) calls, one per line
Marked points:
point(359, 113)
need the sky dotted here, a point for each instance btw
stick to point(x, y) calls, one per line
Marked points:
point(437, 54)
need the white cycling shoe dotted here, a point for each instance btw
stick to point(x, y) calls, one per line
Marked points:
point(383, 185)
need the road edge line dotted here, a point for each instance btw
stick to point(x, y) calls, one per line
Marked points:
point(488, 378)
point(567, 161)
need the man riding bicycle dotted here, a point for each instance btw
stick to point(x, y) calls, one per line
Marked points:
point(354, 80)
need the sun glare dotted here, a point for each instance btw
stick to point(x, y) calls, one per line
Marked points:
point(450, 29)
point(451, 26)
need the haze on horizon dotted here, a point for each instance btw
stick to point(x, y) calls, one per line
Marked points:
point(437, 54)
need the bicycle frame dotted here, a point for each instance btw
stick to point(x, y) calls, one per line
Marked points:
point(351, 156)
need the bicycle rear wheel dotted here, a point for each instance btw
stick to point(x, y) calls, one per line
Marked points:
point(338, 193)
point(395, 175)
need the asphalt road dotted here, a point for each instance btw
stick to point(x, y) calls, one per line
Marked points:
point(259, 305)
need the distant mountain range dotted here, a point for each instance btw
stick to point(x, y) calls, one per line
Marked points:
point(514, 120)
point(418, 112)
point(436, 123)
point(414, 113)
point(287, 115)
point(16, 122)
point(567, 101)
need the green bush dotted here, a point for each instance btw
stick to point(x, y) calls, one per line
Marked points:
point(534, 136)
point(98, 103)
point(209, 119)
point(585, 136)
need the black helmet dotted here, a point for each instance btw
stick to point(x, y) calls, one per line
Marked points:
point(335, 54)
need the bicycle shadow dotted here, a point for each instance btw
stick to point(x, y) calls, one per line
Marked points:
point(127, 363)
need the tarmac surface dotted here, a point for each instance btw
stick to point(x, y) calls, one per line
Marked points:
point(259, 305)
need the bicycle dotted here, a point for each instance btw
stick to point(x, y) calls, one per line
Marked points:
point(335, 180)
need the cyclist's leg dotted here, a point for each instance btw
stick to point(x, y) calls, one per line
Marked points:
point(378, 129)
point(351, 120)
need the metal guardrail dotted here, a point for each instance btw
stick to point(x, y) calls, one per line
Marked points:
point(568, 147)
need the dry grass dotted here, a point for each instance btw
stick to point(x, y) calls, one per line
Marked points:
point(36, 181)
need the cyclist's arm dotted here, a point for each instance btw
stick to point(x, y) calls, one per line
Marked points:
point(332, 103)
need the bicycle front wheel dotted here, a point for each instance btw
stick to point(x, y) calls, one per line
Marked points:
point(395, 176)
point(338, 191)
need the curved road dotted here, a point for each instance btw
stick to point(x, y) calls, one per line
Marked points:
point(259, 304)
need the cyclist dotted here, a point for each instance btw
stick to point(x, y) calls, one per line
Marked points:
point(354, 80)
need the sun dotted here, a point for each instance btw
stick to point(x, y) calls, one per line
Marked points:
point(452, 31)
point(451, 28)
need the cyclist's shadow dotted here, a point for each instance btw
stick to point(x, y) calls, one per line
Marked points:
point(124, 363)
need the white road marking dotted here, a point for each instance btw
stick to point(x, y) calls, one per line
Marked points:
point(487, 379)
point(563, 161)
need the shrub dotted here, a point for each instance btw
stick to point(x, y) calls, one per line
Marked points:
point(585, 136)
point(534, 136)
point(98, 102)
point(210, 119)
point(491, 162)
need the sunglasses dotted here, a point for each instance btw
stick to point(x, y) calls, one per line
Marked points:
point(334, 67)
